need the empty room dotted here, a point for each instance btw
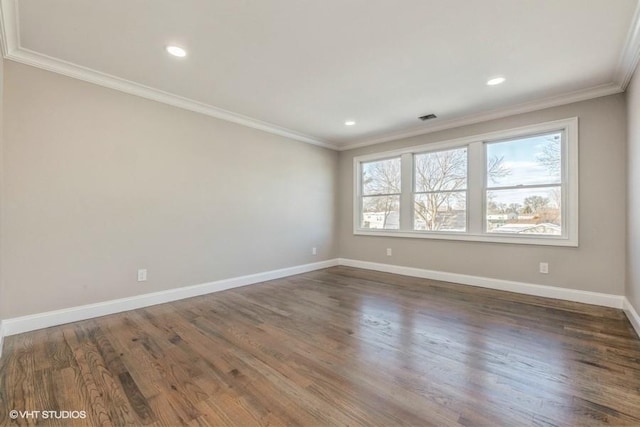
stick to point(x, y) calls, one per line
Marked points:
point(320, 213)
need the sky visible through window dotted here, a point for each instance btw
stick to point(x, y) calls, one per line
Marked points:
point(529, 161)
point(488, 187)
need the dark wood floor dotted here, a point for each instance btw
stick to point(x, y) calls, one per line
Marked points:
point(340, 346)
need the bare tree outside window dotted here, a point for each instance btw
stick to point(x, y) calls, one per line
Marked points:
point(550, 154)
point(529, 199)
point(381, 187)
point(440, 190)
point(533, 204)
point(518, 185)
point(496, 168)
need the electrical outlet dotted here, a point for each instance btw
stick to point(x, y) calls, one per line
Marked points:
point(544, 267)
point(142, 275)
point(314, 251)
point(389, 252)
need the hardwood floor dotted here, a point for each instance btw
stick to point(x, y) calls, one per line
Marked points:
point(340, 346)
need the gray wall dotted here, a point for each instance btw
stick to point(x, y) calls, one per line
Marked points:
point(598, 264)
point(633, 185)
point(99, 183)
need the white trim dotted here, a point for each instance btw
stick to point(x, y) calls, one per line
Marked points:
point(570, 202)
point(406, 191)
point(32, 322)
point(468, 237)
point(10, 43)
point(499, 113)
point(633, 316)
point(58, 317)
point(9, 31)
point(575, 295)
point(465, 140)
point(11, 49)
point(630, 54)
point(69, 69)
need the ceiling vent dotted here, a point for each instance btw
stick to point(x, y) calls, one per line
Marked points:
point(427, 117)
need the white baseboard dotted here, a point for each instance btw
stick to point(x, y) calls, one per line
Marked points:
point(58, 317)
point(22, 324)
point(596, 298)
point(633, 316)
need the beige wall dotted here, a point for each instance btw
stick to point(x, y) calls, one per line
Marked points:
point(597, 265)
point(633, 186)
point(99, 183)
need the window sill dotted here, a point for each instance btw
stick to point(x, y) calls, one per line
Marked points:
point(518, 240)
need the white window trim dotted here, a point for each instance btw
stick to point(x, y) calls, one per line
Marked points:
point(476, 186)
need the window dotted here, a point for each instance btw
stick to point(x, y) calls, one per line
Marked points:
point(516, 186)
point(381, 194)
point(524, 185)
point(440, 193)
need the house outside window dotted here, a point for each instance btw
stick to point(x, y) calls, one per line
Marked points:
point(513, 186)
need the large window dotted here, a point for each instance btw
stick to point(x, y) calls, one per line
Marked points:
point(516, 186)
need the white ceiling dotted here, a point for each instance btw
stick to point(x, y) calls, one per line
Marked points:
point(302, 67)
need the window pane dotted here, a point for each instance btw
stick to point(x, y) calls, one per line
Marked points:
point(381, 177)
point(527, 161)
point(381, 212)
point(440, 211)
point(525, 211)
point(441, 171)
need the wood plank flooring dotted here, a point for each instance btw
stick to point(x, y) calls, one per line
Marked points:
point(340, 346)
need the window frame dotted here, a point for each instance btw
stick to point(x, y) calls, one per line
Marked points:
point(477, 186)
point(414, 192)
point(362, 195)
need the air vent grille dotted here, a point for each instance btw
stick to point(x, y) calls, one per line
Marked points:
point(428, 117)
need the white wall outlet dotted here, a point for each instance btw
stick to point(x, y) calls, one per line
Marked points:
point(389, 252)
point(142, 275)
point(314, 251)
point(544, 267)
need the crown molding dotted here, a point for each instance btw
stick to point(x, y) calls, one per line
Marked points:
point(499, 113)
point(9, 31)
point(28, 57)
point(630, 55)
point(11, 49)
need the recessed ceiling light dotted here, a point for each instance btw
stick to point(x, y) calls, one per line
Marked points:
point(496, 81)
point(177, 51)
point(349, 123)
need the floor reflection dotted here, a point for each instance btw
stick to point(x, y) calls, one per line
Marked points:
point(464, 353)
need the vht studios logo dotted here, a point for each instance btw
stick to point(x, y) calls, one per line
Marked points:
point(45, 415)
